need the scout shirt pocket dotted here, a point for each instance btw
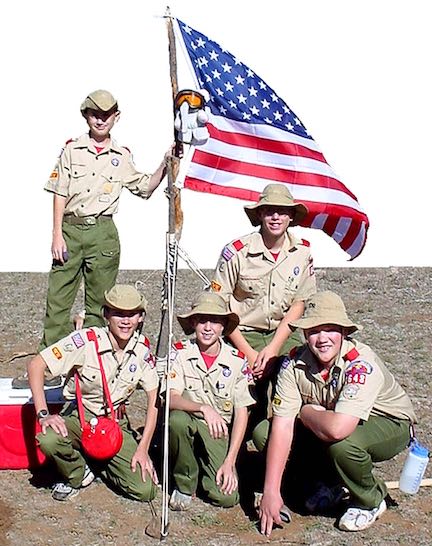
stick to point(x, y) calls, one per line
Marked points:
point(248, 287)
point(91, 380)
point(223, 404)
point(194, 389)
point(78, 174)
point(111, 187)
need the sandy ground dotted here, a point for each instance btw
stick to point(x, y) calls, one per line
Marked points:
point(394, 306)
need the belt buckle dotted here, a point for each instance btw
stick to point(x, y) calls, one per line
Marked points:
point(90, 220)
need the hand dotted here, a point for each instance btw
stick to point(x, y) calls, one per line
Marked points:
point(58, 248)
point(269, 512)
point(216, 425)
point(56, 422)
point(142, 458)
point(264, 362)
point(226, 478)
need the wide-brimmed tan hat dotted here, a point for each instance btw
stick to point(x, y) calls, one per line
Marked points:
point(276, 195)
point(325, 308)
point(99, 100)
point(209, 303)
point(123, 297)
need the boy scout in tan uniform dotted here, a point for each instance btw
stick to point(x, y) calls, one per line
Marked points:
point(208, 403)
point(86, 182)
point(351, 410)
point(265, 277)
point(127, 362)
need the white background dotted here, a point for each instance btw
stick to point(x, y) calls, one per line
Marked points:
point(357, 73)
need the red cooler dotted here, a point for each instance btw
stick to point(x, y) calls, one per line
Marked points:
point(18, 425)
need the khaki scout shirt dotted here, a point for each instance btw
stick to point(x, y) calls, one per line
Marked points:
point(224, 386)
point(76, 352)
point(358, 384)
point(92, 181)
point(258, 288)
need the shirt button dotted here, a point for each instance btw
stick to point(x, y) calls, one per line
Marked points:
point(272, 302)
point(273, 284)
point(205, 392)
point(88, 189)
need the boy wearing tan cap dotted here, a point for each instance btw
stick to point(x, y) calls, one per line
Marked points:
point(127, 361)
point(209, 396)
point(337, 409)
point(86, 184)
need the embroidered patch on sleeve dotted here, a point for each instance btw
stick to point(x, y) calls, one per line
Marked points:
point(227, 254)
point(78, 340)
point(215, 286)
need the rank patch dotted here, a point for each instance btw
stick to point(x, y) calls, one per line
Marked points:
point(78, 340)
point(227, 405)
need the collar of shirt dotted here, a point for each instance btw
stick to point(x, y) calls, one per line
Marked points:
point(257, 246)
point(219, 362)
point(106, 346)
point(84, 142)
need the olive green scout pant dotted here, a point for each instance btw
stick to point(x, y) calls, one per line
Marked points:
point(94, 254)
point(195, 456)
point(350, 460)
point(264, 387)
point(69, 460)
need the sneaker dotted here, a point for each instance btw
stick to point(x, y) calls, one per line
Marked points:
point(63, 492)
point(179, 501)
point(326, 499)
point(357, 519)
point(88, 477)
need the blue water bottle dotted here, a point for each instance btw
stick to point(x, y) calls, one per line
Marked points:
point(414, 468)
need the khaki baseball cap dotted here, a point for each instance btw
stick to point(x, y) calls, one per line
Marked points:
point(123, 297)
point(209, 303)
point(276, 195)
point(99, 100)
point(325, 308)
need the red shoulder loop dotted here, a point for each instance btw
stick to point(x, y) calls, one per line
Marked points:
point(351, 355)
point(293, 352)
point(69, 141)
point(304, 242)
point(179, 345)
point(238, 245)
point(126, 148)
point(239, 354)
point(146, 342)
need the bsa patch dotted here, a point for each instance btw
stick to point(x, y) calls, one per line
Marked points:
point(78, 340)
point(277, 401)
point(115, 162)
point(227, 254)
point(215, 286)
point(57, 353)
point(133, 367)
point(350, 392)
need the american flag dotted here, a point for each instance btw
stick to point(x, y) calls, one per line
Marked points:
point(256, 139)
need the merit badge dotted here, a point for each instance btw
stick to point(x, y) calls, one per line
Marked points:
point(226, 372)
point(296, 270)
point(78, 340)
point(115, 162)
point(133, 367)
point(57, 353)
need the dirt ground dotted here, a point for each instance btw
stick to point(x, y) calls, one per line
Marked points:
point(395, 307)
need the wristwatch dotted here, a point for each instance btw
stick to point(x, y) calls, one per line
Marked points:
point(42, 414)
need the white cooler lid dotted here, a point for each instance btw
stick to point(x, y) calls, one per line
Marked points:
point(10, 396)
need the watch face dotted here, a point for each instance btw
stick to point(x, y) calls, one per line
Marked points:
point(42, 413)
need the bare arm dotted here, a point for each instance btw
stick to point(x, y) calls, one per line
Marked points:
point(36, 371)
point(216, 424)
point(58, 246)
point(240, 342)
point(226, 476)
point(328, 425)
point(159, 174)
point(279, 447)
point(283, 332)
point(141, 455)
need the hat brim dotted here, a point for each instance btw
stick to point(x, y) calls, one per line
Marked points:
point(232, 321)
point(252, 211)
point(313, 322)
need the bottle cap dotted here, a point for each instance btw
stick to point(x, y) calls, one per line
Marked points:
point(419, 450)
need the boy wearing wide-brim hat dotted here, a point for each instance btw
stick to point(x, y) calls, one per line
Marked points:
point(347, 411)
point(209, 396)
point(86, 184)
point(265, 277)
point(127, 362)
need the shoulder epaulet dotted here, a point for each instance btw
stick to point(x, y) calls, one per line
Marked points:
point(69, 141)
point(126, 148)
point(304, 242)
point(238, 245)
point(146, 342)
point(351, 355)
point(238, 353)
point(179, 345)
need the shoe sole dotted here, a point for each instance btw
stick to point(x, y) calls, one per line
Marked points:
point(380, 512)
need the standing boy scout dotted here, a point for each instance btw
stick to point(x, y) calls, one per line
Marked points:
point(209, 396)
point(265, 277)
point(86, 183)
point(127, 361)
point(344, 409)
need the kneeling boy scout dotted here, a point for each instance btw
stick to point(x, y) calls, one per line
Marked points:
point(208, 384)
point(337, 409)
point(127, 361)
